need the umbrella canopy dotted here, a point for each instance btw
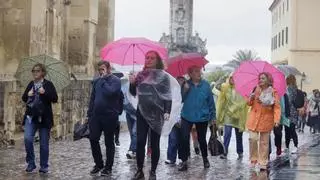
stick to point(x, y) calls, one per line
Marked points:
point(179, 65)
point(246, 77)
point(130, 51)
point(287, 70)
point(57, 71)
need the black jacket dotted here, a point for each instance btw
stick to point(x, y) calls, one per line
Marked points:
point(50, 96)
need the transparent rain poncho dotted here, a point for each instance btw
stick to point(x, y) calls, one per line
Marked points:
point(154, 88)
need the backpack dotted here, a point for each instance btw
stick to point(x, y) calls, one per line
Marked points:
point(299, 100)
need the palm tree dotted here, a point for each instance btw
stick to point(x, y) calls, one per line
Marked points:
point(241, 56)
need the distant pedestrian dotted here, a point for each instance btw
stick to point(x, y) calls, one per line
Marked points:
point(38, 96)
point(174, 144)
point(131, 122)
point(198, 109)
point(264, 115)
point(296, 101)
point(313, 111)
point(103, 116)
point(232, 113)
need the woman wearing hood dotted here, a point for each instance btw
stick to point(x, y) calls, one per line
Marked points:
point(231, 113)
point(313, 111)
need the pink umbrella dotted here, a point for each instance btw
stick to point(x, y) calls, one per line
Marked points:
point(246, 77)
point(179, 65)
point(130, 51)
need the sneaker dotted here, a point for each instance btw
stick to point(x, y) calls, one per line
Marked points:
point(206, 163)
point(117, 142)
point(106, 172)
point(197, 150)
point(183, 166)
point(240, 156)
point(95, 170)
point(294, 150)
point(152, 175)
point(43, 170)
point(139, 175)
point(131, 155)
point(169, 162)
point(30, 168)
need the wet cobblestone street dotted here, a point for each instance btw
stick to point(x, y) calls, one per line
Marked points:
point(73, 160)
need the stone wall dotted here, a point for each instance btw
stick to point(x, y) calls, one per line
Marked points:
point(64, 29)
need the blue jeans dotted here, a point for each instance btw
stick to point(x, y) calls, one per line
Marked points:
point(132, 127)
point(227, 137)
point(173, 144)
point(44, 133)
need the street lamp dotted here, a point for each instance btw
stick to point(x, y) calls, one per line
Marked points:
point(303, 78)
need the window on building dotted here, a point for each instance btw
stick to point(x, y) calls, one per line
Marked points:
point(271, 44)
point(280, 12)
point(283, 5)
point(287, 5)
point(287, 35)
point(279, 39)
point(282, 38)
point(275, 42)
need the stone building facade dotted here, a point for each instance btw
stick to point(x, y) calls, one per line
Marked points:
point(70, 30)
point(180, 38)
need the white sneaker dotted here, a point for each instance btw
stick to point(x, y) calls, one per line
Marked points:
point(294, 150)
point(131, 155)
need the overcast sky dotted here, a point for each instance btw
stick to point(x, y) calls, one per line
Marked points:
point(228, 25)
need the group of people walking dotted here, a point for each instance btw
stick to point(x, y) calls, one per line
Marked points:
point(260, 113)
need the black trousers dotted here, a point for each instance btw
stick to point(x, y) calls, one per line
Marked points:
point(290, 133)
point(107, 125)
point(142, 134)
point(277, 131)
point(185, 138)
point(117, 131)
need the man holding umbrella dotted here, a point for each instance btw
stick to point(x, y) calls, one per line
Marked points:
point(103, 113)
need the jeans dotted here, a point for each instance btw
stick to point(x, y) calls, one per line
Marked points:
point(132, 127)
point(173, 144)
point(107, 125)
point(290, 133)
point(185, 138)
point(142, 133)
point(29, 132)
point(227, 137)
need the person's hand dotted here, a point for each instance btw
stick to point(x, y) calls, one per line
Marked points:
point(30, 93)
point(41, 90)
point(132, 79)
point(276, 124)
point(166, 116)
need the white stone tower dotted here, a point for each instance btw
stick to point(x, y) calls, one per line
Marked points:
point(180, 39)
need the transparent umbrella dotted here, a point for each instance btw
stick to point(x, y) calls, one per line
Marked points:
point(287, 70)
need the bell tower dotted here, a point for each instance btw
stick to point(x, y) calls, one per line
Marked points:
point(181, 19)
